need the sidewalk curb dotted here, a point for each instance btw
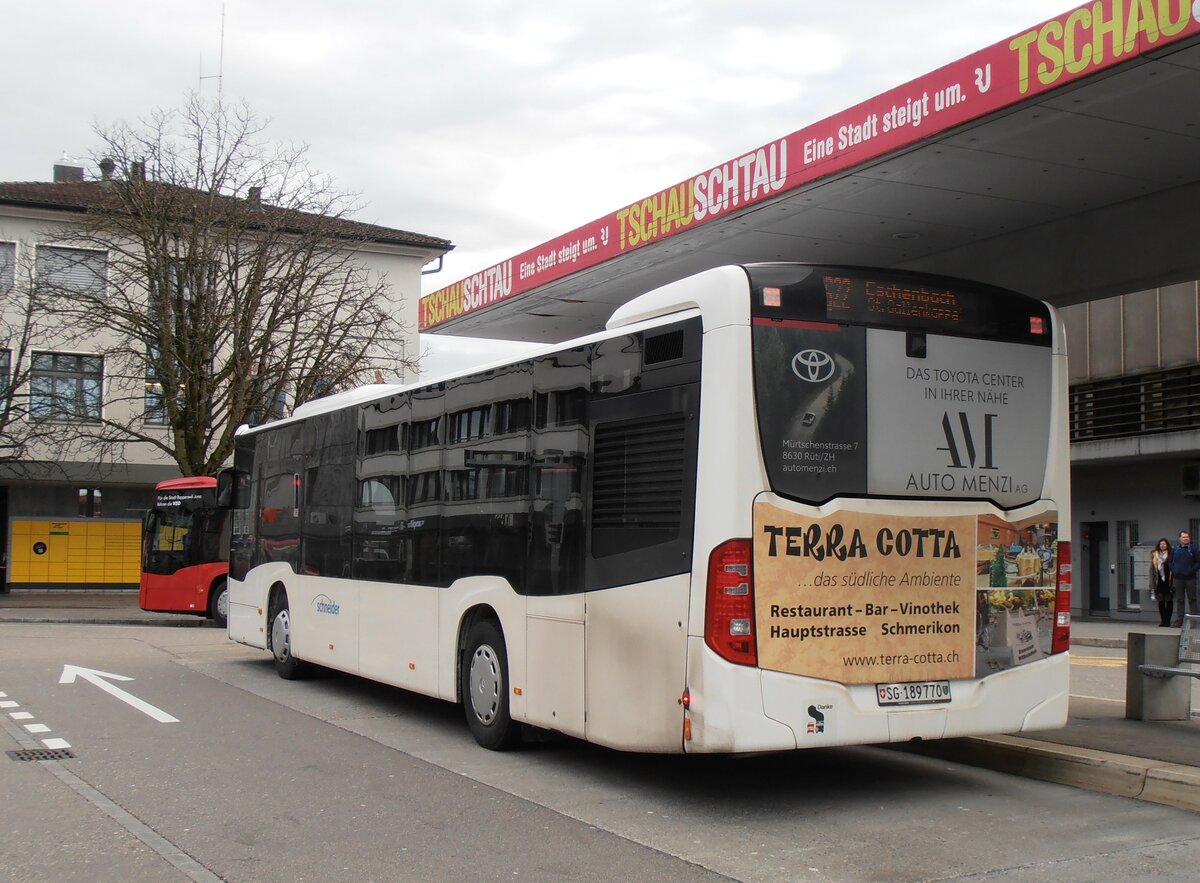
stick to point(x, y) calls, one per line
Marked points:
point(1119, 774)
point(183, 622)
point(1114, 643)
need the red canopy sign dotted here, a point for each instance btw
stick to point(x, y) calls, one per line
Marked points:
point(1072, 46)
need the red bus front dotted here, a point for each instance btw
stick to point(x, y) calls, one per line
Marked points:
point(184, 550)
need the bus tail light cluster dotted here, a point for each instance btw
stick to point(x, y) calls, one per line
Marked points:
point(1061, 640)
point(729, 608)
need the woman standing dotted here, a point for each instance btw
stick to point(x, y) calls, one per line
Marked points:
point(1161, 584)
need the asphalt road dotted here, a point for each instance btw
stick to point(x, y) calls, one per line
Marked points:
point(340, 779)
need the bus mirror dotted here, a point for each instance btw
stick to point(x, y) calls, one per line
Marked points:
point(231, 484)
point(150, 520)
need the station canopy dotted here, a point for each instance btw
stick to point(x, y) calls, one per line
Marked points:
point(1063, 163)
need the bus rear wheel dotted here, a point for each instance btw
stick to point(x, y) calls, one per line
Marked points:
point(484, 685)
point(288, 666)
point(218, 603)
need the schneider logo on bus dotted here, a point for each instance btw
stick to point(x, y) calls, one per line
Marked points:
point(325, 604)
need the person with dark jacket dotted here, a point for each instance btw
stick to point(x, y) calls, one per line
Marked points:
point(1185, 562)
point(1162, 585)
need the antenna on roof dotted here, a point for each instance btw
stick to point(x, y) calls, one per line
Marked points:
point(219, 76)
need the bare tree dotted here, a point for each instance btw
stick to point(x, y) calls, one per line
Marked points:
point(235, 282)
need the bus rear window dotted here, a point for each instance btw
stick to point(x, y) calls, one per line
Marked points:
point(906, 406)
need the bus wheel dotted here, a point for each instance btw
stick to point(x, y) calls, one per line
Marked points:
point(218, 603)
point(287, 665)
point(484, 689)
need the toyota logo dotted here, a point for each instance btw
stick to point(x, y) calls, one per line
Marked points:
point(812, 366)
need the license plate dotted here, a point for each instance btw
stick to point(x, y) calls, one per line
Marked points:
point(914, 693)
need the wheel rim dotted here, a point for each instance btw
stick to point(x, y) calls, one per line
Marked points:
point(485, 682)
point(223, 603)
point(281, 636)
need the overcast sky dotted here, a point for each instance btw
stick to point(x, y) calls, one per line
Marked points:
point(496, 124)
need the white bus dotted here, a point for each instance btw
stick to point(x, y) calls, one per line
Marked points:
point(770, 507)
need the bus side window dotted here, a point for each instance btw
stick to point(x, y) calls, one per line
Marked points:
point(643, 485)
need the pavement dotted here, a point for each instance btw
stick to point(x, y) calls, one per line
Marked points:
point(1098, 749)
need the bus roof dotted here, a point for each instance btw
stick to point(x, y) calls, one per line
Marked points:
point(661, 306)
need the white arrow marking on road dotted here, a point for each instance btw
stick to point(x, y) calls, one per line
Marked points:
point(70, 672)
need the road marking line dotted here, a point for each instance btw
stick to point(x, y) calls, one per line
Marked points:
point(37, 728)
point(20, 715)
point(1099, 661)
point(1096, 698)
point(3, 695)
point(10, 704)
point(56, 743)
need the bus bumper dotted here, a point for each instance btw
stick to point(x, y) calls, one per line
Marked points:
point(771, 711)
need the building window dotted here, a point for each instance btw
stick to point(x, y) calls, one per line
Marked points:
point(423, 434)
point(72, 270)
point(89, 502)
point(153, 403)
point(8, 264)
point(275, 409)
point(424, 487)
point(155, 410)
point(5, 377)
point(512, 415)
point(184, 280)
point(1129, 592)
point(382, 440)
point(469, 424)
point(65, 386)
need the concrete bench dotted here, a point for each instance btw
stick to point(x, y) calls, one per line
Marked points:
point(1159, 672)
point(1189, 654)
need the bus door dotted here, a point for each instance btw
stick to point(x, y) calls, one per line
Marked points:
point(642, 504)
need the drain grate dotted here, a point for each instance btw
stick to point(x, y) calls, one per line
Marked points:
point(41, 754)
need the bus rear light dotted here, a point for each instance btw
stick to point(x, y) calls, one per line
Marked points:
point(1061, 640)
point(1037, 325)
point(729, 607)
point(686, 699)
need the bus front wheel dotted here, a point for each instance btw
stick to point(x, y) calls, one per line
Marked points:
point(218, 603)
point(485, 690)
point(287, 665)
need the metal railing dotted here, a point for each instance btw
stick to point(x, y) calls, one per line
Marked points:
point(1136, 404)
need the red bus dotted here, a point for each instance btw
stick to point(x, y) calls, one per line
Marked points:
point(185, 550)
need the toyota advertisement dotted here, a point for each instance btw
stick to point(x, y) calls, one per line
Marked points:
point(845, 410)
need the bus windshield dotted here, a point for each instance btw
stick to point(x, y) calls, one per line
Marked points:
point(185, 544)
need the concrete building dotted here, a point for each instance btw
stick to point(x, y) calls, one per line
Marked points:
point(1135, 440)
point(73, 520)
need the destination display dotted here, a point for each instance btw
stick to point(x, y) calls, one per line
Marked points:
point(870, 300)
point(918, 302)
point(178, 499)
